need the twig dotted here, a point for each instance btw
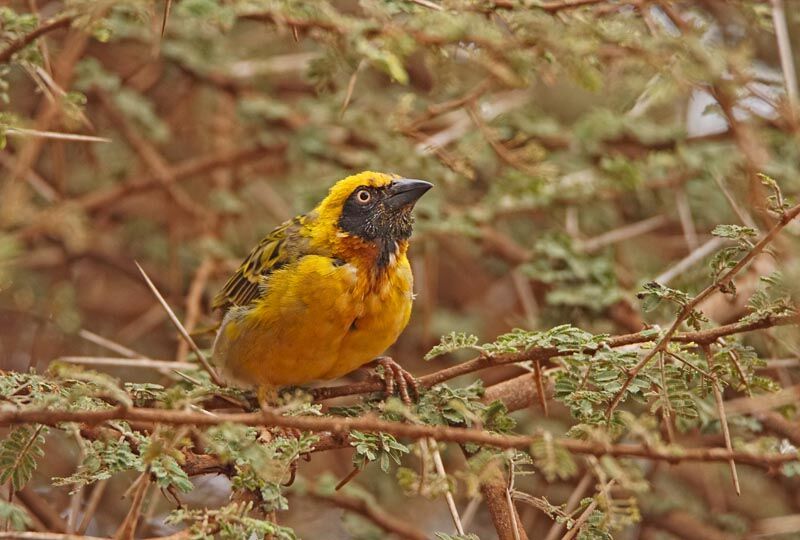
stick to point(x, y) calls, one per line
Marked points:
point(690, 260)
point(666, 408)
point(570, 4)
point(686, 526)
point(576, 527)
point(167, 7)
point(431, 446)
point(764, 402)
point(688, 364)
point(785, 51)
point(502, 152)
point(127, 528)
point(190, 168)
point(146, 363)
point(469, 512)
point(537, 375)
point(623, 233)
point(375, 514)
point(685, 215)
point(775, 526)
point(44, 134)
point(18, 535)
point(572, 503)
point(738, 366)
point(194, 298)
point(39, 184)
point(76, 497)
point(42, 509)
point(687, 309)
point(516, 526)
point(428, 4)
point(108, 344)
point(23, 41)
point(355, 471)
point(778, 424)
point(177, 323)
point(438, 109)
point(740, 212)
point(351, 85)
point(92, 504)
point(723, 419)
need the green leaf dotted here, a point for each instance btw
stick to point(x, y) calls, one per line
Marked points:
point(18, 454)
point(16, 517)
point(451, 342)
point(102, 459)
point(552, 459)
point(734, 232)
point(230, 522)
point(653, 293)
point(380, 447)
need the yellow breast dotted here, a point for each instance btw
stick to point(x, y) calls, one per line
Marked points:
point(319, 319)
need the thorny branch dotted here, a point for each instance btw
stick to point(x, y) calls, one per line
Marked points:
point(546, 353)
point(343, 426)
point(62, 21)
point(687, 309)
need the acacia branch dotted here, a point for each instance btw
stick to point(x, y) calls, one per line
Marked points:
point(689, 307)
point(341, 427)
point(26, 39)
point(546, 353)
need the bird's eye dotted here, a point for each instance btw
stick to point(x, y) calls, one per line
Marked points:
point(363, 196)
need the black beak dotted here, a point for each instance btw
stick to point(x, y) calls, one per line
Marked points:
point(405, 192)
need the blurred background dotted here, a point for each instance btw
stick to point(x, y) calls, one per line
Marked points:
point(579, 149)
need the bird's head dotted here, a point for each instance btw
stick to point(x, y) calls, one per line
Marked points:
point(372, 210)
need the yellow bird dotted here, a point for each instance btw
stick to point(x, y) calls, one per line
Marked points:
point(325, 292)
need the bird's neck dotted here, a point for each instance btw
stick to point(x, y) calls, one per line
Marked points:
point(378, 257)
point(375, 256)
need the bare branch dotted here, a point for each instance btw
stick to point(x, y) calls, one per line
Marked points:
point(184, 334)
point(375, 514)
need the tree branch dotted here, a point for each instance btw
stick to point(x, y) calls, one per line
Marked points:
point(546, 353)
point(343, 426)
point(687, 309)
point(376, 515)
point(25, 40)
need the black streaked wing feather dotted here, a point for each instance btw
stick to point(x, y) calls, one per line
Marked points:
point(272, 252)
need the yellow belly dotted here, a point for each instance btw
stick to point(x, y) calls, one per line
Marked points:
point(317, 320)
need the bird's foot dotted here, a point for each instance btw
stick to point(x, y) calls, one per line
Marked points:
point(394, 375)
point(267, 396)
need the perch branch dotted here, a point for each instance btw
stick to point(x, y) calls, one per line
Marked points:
point(546, 353)
point(341, 427)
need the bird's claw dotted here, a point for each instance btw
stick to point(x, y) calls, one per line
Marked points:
point(394, 374)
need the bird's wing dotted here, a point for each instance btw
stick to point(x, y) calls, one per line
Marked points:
point(274, 251)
